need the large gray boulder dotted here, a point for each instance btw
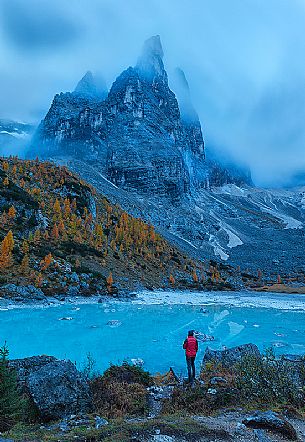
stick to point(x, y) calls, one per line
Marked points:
point(231, 356)
point(271, 421)
point(56, 387)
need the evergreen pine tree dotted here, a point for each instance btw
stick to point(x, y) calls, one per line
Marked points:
point(12, 404)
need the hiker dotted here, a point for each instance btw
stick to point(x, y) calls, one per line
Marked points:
point(191, 347)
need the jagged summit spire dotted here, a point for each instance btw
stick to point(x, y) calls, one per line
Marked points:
point(180, 75)
point(91, 86)
point(86, 84)
point(153, 46)
point(150, 63)
point(182, 90)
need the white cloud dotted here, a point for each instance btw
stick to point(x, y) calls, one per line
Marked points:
point(244, 60)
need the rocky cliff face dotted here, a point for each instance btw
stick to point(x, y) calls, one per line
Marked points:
point(137, 136)
point(146, 142)
point(142, 139)
point(221, 174)
point(65, 129)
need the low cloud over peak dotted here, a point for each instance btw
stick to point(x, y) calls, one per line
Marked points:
point(243, 61)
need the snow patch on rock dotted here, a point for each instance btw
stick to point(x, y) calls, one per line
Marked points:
point(218, 250)
point(234, 240)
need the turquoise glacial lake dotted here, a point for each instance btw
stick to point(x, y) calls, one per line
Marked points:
point(113, 332)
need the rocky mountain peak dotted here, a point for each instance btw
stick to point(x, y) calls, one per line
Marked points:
point(91, 86)
point(139, 136)
point(153, 46)
point(182, 90)
point(150, 63)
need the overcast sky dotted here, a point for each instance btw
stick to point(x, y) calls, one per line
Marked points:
point(244, 60)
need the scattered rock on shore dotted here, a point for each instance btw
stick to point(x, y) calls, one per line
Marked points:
point(22, 292)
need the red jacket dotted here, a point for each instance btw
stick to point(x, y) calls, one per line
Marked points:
point(191, 346)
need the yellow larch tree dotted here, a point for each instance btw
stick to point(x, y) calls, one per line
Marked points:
point(25, 264)
point(6, 250)
point(172, 280)
point(5, 166)
point(109, 281)
point(12, 212)
point(55, 232)
point(57, 210)
point(46, 262)
point(195, 277)
point(25, 247)
point(67, 208)
point(37, 237)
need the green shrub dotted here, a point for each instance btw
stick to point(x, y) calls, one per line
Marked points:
point(118, 399)
point(190, 400)
point(270, 380)
point(121, 391)
point(88, 368)
point(128, 373)
point(12, 403)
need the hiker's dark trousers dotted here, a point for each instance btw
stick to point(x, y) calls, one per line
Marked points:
point(190, 362)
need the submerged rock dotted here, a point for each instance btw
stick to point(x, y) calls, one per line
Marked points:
point(271, 421)
point(203, 337)
point(230, 356)
point(56, 387)
point(114, 323)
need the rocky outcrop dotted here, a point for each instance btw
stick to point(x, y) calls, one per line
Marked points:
point(22, 292)
point(91, 86)
point(220, 174)
point(139, 136)
point(295, 366)
point(56, 387)
point(63, 131)
point(230, 356)
point(144, 139)
point(194, 154)
point(135, 136)
point(271, 421)
point(156, 396)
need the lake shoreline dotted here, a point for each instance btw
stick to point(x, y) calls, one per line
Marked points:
point(246, 298)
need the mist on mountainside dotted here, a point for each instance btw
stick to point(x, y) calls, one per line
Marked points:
point(243, 61)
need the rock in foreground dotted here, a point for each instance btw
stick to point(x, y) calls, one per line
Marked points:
point(231, 356)
point(271, 421)
point(56, 387)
